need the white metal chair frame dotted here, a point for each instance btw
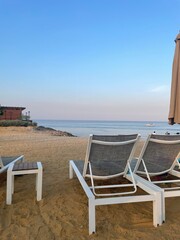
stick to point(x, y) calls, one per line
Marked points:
point(166, 191)
point(127, 169)
point(154, 193)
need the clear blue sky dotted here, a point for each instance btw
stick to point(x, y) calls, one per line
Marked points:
point(88, 59)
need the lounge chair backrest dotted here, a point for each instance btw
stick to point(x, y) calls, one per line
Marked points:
point(159, 153)
point(108, 155)
point(6, 161)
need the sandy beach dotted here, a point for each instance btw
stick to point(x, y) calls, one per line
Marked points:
point(63, 212)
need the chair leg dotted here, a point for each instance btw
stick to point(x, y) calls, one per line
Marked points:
point(39, 184)
point(9, 188)
point(36, 182)
point(70, 171)
point(12, 183)
point(92, 217)
point(163, 208)
point(157, 210)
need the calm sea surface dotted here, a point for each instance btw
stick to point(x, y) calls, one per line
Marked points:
point(84, 128)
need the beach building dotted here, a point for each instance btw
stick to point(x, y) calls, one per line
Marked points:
point(11, 113)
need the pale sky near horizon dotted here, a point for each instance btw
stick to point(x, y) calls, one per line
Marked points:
point(88, 60)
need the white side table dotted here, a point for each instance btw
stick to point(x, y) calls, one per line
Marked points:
point(22, 169)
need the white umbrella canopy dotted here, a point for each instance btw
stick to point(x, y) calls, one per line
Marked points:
point(174, 109)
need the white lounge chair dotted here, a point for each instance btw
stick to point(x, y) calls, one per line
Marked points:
point(109, 157)
point(6, 161)
point(159, 163)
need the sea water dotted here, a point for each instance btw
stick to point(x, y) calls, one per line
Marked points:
point(83, 128)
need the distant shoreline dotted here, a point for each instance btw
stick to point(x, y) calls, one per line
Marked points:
point(83, 128)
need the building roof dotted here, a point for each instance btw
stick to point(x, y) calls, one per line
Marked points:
point(12, 108)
